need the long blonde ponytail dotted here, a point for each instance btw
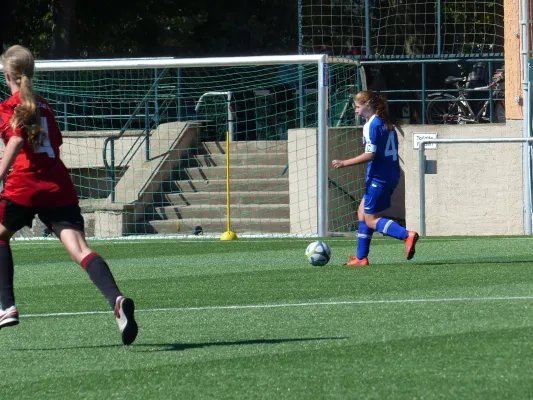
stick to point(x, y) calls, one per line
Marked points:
point(19, 64)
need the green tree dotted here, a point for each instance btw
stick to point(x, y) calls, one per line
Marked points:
point(63, 28)
point(148, 28)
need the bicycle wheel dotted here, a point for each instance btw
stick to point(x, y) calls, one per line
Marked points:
point(442, 110)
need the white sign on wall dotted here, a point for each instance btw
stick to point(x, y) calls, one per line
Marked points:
point(417, 137)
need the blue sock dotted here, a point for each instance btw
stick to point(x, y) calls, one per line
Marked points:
point(390, 228)
point(364, 236)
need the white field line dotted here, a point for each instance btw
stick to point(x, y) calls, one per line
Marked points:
point(285, 305)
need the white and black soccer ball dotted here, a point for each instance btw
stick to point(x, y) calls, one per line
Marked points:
point(318, 253)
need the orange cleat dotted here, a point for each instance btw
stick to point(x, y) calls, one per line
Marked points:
point(410, 243)
point(355, 262)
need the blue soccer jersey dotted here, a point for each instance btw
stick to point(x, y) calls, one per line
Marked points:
point(377, 139)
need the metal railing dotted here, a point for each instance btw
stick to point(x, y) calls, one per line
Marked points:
point(231, 112)
point(150, 120)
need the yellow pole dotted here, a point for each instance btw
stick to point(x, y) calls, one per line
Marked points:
point(228, 235)
point(228, 193)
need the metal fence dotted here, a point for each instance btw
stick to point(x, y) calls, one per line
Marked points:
point(402, 29)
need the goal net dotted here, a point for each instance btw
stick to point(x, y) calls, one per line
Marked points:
point(145, 142)
point(409, 28)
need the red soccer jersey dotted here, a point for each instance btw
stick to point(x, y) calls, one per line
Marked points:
point(39, 178)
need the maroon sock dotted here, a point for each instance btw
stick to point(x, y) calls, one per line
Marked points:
point(102, 277)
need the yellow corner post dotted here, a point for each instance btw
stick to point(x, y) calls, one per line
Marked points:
point(228, 235)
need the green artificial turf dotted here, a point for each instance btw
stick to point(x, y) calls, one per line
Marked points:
point(251, 319)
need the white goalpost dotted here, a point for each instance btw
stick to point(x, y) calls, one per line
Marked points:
point(143, 139)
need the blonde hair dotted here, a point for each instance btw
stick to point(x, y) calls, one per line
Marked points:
point(19, 64)
point(378, 104)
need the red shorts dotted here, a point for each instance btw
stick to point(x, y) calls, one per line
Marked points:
point(14, 216)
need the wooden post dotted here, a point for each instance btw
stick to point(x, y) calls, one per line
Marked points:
point(513, 71)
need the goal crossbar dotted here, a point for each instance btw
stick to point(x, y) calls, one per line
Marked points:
point(146, 63)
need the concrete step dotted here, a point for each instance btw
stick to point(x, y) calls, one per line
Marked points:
point(270, 211)
point(219, 198)
point(244, 147)
point(237, 185)
point(256, 172)
point(219, 225)
point(250, 159)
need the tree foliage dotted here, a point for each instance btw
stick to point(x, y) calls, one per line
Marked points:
point(404, 28)
point(149, 28)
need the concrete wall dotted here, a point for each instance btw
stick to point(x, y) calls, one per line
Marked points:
point(343, 143)
point(302, 151)
point(136, 185)
point(347, 143)
point(83, 152)
point(477, 188)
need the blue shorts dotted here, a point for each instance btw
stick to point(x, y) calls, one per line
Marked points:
point(377, 198)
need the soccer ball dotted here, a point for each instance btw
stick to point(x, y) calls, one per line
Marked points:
point(318, 253)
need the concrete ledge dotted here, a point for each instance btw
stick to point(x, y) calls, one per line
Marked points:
point(106, 219)
point(93, 205)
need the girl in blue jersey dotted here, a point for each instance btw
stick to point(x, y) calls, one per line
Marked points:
point(383, 174)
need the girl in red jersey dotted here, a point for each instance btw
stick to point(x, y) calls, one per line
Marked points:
point(40, 184)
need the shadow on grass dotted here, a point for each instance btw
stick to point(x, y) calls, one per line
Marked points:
point(421, 261)
point(107, 346)
point(181, 346)
point(488, 260)
point(188, 346)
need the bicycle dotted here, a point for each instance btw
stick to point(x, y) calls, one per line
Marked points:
point(444, 108)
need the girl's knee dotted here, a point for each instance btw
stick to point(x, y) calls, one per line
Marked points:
point(370, 221)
